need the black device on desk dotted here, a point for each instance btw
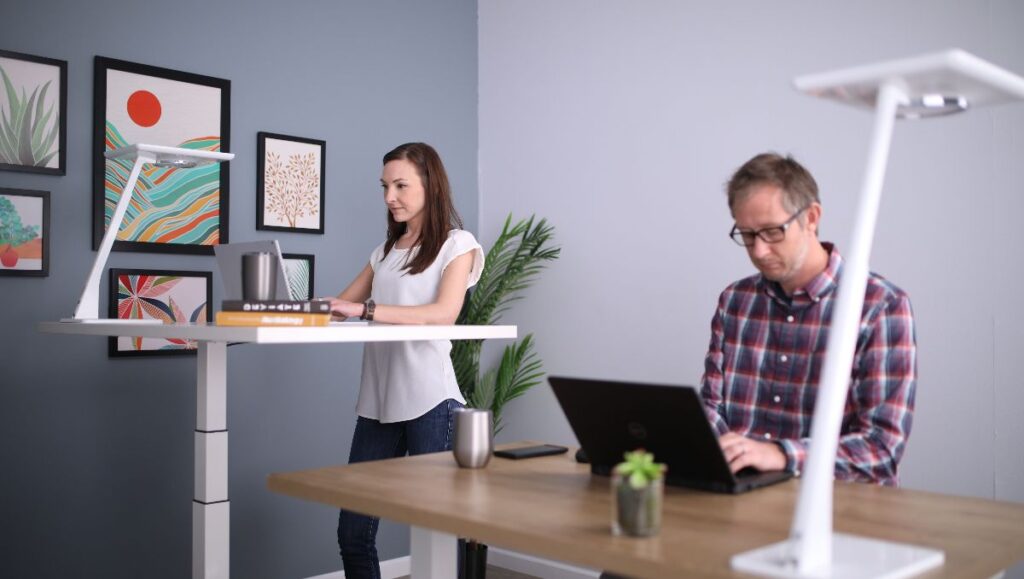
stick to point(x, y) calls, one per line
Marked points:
point(611, 418)
point(531, 451)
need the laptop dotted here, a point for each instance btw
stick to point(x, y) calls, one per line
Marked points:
point(229, 262)
point(611, 418)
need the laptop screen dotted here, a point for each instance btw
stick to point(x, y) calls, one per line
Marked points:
point(610, 418)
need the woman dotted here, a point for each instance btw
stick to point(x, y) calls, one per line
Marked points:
point(419, 275)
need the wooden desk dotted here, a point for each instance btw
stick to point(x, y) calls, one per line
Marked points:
point(211, 509)
point(552, 507)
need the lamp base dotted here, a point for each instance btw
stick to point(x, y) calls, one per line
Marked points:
point(128, 322)
point(852, 556)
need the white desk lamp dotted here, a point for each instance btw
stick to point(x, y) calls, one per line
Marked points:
point(920, 87)
point(88, 305)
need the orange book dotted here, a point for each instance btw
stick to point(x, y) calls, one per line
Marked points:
point(270, 319)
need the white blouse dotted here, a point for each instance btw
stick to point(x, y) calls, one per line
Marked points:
point(404, 380)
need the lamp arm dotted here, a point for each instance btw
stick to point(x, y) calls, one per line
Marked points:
point(811, 533)
point(88, 304)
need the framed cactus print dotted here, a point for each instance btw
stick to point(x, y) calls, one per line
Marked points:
point(170, 296)
point(33, 113)
point(290, 183)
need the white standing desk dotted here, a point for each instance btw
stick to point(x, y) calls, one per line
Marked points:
point(210, 505)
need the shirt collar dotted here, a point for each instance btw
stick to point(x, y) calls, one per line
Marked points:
point(815, 290)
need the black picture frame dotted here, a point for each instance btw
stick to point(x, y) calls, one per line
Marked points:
point(168, 213)
point(61, 125)
point(9, 262)
point(269, 195)
point(310, 260)
point(153, 304)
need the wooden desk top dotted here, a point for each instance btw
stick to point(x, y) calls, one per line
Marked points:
point(552, 507)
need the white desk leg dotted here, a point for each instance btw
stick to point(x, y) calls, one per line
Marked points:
point(211, 511)
point(432, 554)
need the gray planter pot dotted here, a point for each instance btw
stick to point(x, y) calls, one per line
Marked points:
point(636, 512)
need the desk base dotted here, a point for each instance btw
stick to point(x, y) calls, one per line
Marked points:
point(211, 542)
point(432, 554)
point(852, 557)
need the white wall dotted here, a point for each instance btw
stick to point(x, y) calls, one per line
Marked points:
point(620, 121)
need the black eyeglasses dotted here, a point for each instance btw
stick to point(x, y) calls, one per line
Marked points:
point(745, 237)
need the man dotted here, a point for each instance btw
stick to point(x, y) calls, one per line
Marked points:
point(770, 331)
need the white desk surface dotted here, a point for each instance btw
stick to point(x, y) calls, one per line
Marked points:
point(340, 332)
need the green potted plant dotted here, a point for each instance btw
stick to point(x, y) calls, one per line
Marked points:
point(638, 484)
point(512, 264)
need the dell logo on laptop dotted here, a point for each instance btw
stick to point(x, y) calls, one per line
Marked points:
point(637, 430)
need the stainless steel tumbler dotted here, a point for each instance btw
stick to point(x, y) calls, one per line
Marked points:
point(474, 437)
point(259, 276)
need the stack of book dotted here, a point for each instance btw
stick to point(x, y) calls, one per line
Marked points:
point(274, 313)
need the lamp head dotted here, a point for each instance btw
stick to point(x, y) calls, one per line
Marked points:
point(176, 162)
point(176, 157)
point(931, 105)
point(934, 85)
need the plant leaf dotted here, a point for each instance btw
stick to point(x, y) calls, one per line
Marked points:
point(515, 260)
point(25, 132)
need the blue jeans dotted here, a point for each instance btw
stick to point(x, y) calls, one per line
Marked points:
point(432, 432)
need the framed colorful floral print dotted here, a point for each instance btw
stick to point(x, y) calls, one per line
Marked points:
point(170, 296)
point(174, 209)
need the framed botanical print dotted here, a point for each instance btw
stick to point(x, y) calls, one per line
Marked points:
point(169, 296)
point(33, 113)
point(290, 183)
point(174, 209)
point(298, 270)
point(24, 232)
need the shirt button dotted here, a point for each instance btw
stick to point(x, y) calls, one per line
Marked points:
point(783, 357)
point(768, 435)
point(777, 398)
point(817, 299)
point(789, 318)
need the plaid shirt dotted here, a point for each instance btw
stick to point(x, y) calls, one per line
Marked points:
point(767, 350)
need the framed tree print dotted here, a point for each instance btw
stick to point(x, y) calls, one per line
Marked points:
point(33, 113)
point(170, 296)
point(24, 232)
point(174, 209)
point(290, 183)
point(298, 270)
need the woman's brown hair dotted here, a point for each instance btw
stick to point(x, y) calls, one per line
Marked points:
point(439, 216)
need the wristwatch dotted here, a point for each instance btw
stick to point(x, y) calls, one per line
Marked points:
point(368, 307)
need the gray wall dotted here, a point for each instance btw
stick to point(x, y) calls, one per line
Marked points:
point(620, 122)
point(96, 454)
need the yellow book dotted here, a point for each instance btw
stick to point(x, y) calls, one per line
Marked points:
point(270, 319)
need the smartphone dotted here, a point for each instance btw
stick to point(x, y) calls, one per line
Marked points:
point(531, 451)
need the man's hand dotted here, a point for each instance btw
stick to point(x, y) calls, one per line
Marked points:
point(742, 452)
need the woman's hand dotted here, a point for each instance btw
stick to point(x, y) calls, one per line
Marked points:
point(345, 309)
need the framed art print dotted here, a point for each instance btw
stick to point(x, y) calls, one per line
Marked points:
point(290, 183)
point(24, 232)
point(298, 270)
point(33, 113)
point(169, 296)
point(174, 209)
